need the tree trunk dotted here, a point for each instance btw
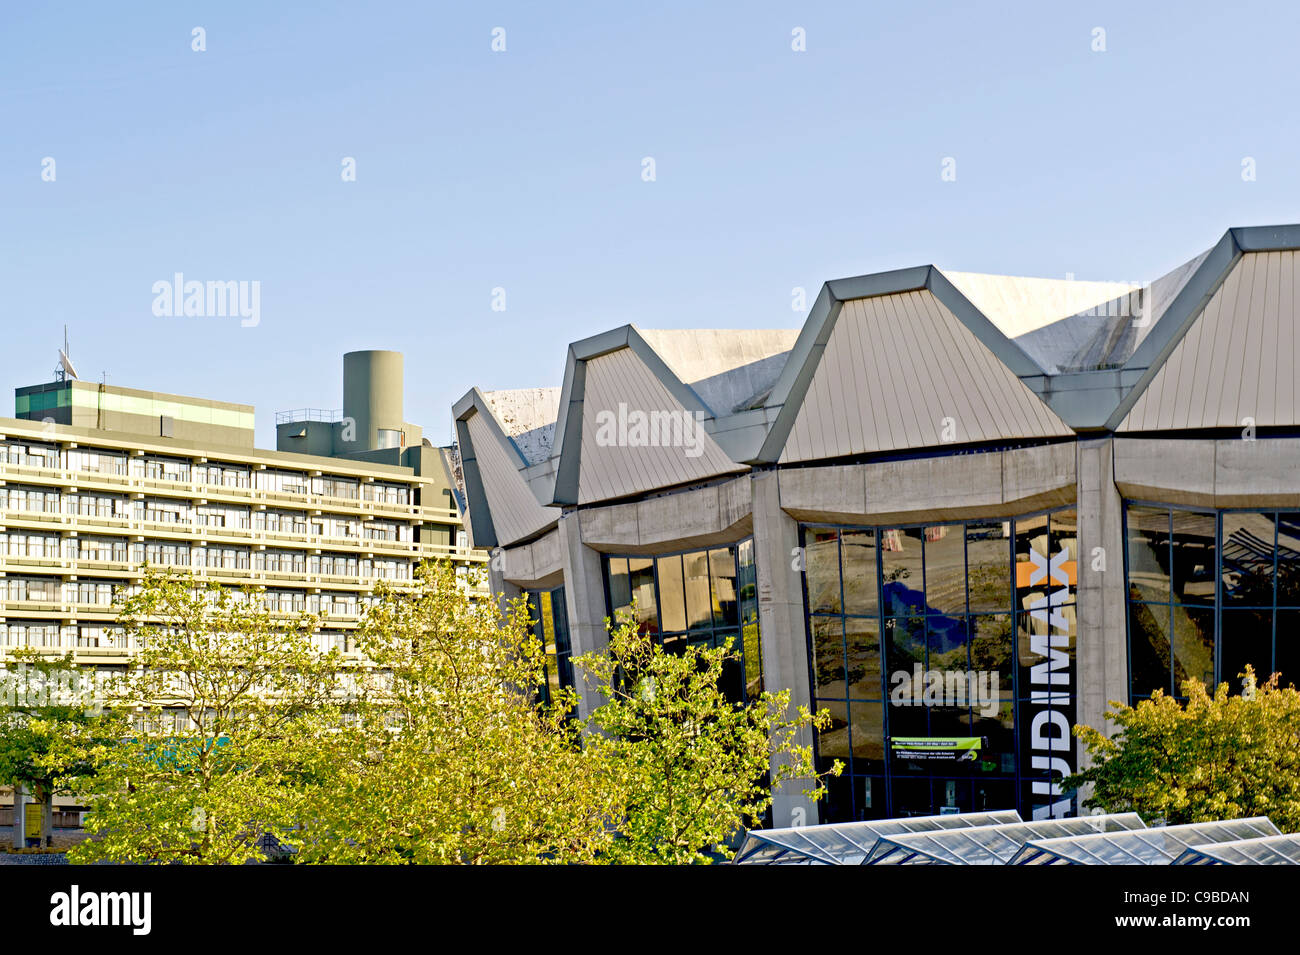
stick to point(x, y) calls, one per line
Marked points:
point(47, 821)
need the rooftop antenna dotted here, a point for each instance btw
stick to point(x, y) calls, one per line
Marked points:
point(66, 370)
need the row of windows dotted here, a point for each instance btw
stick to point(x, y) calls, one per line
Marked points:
point(1209, 593)
point(202, 515)
point(183, 555)
point(175, 469)
point(945, 656)
point(20, 633)
point(704, 598)
point(106, 593)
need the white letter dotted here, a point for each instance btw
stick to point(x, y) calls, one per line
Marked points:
point(59, 914)
point(901, 694)
point(250, 308)
point(162, 303)
point(606, 427)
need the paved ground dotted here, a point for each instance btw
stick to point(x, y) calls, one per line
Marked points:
point(62, 839)
point(43, 858)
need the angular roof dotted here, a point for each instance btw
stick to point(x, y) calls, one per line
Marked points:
point(1266, 850)
point(900, 362)
point(527, 416)
point(849, 843)
point(990, 844)
point(1019, 304)
point(727, 368)
point(1145, 847)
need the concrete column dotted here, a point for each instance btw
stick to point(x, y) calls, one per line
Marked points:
point(502, 590)
point(781, 628)
point(1102, 643)
point(584, 597)
point(20, 816)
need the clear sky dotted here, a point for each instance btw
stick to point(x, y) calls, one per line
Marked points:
point(522, 170)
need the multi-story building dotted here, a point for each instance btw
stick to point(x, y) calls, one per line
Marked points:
point(958, 512)
point(97, 480)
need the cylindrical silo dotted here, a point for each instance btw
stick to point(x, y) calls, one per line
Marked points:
point(372, 398)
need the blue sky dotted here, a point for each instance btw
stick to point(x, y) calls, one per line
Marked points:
point(522, 170)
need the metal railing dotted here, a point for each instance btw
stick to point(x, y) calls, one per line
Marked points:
point(328, 415)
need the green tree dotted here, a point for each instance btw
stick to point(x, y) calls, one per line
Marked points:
point(1217, 757)
point(216, 725)
point(47, 720)
point(695, 767)
point(452, 758)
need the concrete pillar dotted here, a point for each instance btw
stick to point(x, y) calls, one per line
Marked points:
point(584, 597)
point(781, 628)
point(502, 590)
point(1102, 642)
point(20, 816)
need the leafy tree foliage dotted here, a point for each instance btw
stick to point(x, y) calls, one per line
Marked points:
point(1217, 757)
point(452, 759)
point(47, 719)
point(694, 766)
point(215, 723)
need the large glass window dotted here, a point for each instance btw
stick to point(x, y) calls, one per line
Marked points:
point(1209, 592)
point(945, 656)
point(702, 598)
point(550, 618)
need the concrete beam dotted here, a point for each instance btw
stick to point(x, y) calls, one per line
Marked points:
point(912, 490)
point(1208, 472)
point(697, 517)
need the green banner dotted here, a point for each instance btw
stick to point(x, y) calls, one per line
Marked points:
point(937, 747)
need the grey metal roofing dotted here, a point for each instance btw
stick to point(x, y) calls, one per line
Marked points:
point(1237, 361)
point(991, 844)
point(883, 359)
point(619, 383)
point(1145, 847)
point(1266, 850)
point(926, 372)
point(848, 843)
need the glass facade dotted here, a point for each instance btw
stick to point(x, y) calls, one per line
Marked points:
point(1210, 592)
point(700, 598)
point(551, 626)
point(945, 655)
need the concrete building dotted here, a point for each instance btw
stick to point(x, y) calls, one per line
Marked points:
point(95, 480)
point(960, 512)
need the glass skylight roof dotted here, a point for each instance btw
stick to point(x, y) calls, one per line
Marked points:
point(1141, 847)
point(1266, 850)
point(989, 844)
point(849, 843)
